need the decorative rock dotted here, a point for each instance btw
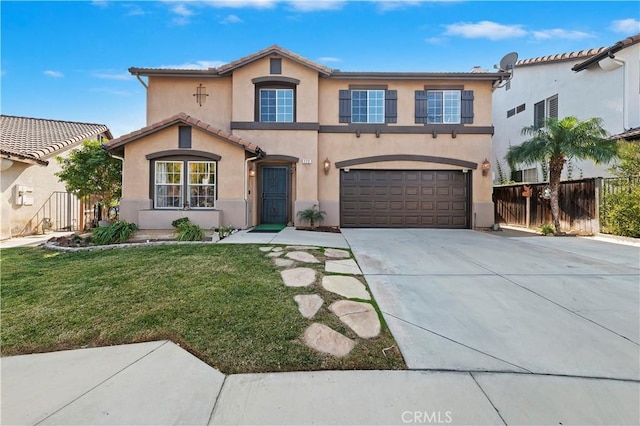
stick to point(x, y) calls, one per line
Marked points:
point(282, 262)
point(302, 248)
point(274, 254)
point(362, 318)
point(348, 287)
point(337, 253)
point(302, 256)
point(347, 266)
point(277, 249)
point(324, 339)
point(265, 248)
point(308, 304)
point(298, 277)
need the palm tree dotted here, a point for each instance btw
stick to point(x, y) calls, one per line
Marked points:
point(559, 140)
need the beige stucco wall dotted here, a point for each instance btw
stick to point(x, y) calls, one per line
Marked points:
point(306, 91)
point(230, 206)
point(168, 96)
point(25, 220)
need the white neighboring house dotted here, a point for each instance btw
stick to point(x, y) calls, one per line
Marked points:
point(32, 198)
point(603, 82)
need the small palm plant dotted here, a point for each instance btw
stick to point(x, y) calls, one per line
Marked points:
point(312, 215)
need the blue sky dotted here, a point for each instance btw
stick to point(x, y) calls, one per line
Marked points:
point(69, 60)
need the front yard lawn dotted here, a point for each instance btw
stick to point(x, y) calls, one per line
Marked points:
point(224, 303)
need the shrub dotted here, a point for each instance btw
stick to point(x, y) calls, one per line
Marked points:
point(312, 215)
point(117, 232)
point(623, 212)
point(177, 222)
point(547, 229)
point(188, 231)
point(225, 231)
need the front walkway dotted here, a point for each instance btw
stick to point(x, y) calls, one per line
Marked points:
point(289, 236)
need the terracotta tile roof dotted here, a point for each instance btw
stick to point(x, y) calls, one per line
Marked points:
point(580, 54)
point(34, 138)
point(609, 51)
point(185, 119)
point(631, 134)
point(271, 50)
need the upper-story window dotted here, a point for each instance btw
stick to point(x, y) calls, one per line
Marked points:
point(444, 106)
point(544, 109)
point(276, 105)
point(367, 106)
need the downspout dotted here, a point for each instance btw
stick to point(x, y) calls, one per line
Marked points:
point(146, 86)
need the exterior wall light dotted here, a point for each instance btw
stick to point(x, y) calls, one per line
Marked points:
point(252, 172)
point(485, 167)
point(326, 166)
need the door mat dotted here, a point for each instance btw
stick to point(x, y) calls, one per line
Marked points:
point(270, 227)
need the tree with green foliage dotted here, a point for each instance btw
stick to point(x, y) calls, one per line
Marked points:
point(561, 140)
point(90, 170)
point(622, 205)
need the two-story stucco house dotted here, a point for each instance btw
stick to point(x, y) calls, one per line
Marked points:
point(259, 139)
point(602, 82)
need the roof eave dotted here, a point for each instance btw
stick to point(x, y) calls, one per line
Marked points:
point(14, 156)
point(159, 72)
point(496, 76)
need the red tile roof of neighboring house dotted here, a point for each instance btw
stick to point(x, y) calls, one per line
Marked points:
point(580, 54)
point(185, 119)
point(609, 51)
point(631, 134)
point(31, 139)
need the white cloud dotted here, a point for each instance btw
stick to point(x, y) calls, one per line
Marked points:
point(182, 12)
point(134, 10)
point(232, 19)
point(316, 5)
point(559, 33)
point(113, 76)
point(627, 26)
point(100, 3)
point(389, 5)
point(195, 65)
point(329, 59)
point(258, 4)
point(435, 40)
point(485, 29)
point(111, 91)
point(55, 74)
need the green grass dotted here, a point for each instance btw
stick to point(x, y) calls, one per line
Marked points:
point(224, 303)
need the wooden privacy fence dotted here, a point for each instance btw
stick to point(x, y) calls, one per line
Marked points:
point(579, 205)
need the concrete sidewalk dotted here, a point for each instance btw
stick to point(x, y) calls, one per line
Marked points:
point(288, 236)
point(31, 240)
point(159, 383)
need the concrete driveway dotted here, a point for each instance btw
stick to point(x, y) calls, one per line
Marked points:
point(469, 301)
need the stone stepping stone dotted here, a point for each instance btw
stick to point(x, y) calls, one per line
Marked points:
point(308, 304)
point(337, 253)
point(265, 248)
point(277, 249)
point(361, 317)
point(298, 277)
point(302, 248)
point(346, 266)
point(348, 287)
point(274, 254)
point(324, 339)
point(302, 256)
point(283, 262)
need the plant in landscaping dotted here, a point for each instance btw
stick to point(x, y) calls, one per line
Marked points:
point(92, 171)
point(188, 231)
point(225, 231)
point(312, 215)
point(178, 221)
point(621, 209)
point(546, 229)
point(561, 140)
point(117, 232)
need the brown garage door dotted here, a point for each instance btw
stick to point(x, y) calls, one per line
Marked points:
point(404, 198)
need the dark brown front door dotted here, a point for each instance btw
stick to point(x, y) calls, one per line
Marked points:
point(404, 199)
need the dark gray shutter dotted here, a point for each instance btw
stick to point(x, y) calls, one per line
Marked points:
point(538, 115)
point(345, 106)
point(421, 106)
point(553, 107)
point(466, 107)
point(184, 136)
point(391, 106)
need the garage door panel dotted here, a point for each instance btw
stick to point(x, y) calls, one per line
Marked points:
point(404, 198)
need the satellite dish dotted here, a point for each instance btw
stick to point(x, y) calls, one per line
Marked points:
point(509, 60)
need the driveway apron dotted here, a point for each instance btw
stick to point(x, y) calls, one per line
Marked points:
point(471, 301)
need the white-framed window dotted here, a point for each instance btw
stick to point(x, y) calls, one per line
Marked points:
point(367, 106)
point(530, 175)
point(202, 184)
point(276, 105)
point(443, 106)
point(179, 183)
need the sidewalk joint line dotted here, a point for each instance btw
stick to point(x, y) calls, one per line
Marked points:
point(488, 399)
point(100, 384)
point(455, 341)
point(215, 402)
